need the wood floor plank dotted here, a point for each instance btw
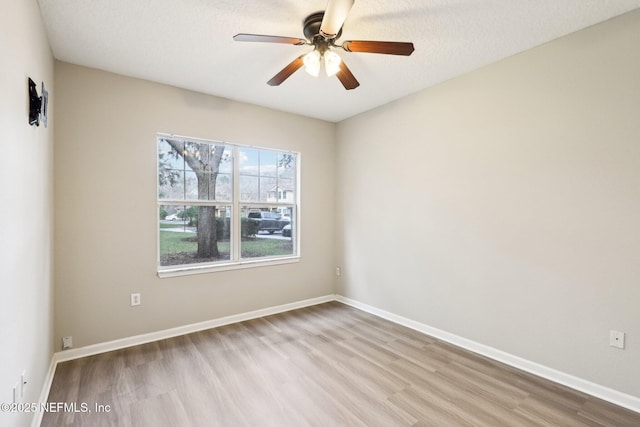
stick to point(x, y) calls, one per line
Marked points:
point(485, 386)
point(608, 414)
point(546, 412)
point(163, 410)
point(328, 364)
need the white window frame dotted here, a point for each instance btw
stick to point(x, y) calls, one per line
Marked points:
point(235, 262)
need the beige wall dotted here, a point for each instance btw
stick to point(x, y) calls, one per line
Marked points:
point(105, 177)
point(501, 206)
point(26, 207)
point(504, 206)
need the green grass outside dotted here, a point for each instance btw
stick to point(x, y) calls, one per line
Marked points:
point(254, 247)
point(173, 243)
point(165, 225)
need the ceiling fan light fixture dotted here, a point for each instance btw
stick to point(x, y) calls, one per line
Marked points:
point(312, 63)
point(321, 30)
point(331, 63)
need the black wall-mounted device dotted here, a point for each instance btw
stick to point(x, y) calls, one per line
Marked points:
point(37, 105)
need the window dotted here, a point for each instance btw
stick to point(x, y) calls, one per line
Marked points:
point(223, 205)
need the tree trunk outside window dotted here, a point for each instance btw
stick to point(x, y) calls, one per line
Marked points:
point(204, 160)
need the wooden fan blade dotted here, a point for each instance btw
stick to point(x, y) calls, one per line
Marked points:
point(346, 77)
point(268, 39)
point(286, 72)
point(334, 16)
point(390, 48)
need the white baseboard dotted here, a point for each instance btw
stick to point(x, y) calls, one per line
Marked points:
point(576, 383)
point(44, 393)
point(601, 392)
point(90, 350)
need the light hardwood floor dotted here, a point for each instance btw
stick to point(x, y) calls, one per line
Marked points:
point(326, 365)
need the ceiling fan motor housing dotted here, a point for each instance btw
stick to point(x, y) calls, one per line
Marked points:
point(311, 27)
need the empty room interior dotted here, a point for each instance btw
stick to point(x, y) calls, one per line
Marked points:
point(440, 228)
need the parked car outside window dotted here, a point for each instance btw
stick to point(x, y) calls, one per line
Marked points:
point(268, 221)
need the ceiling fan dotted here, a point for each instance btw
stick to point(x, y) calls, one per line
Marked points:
point(322, 29)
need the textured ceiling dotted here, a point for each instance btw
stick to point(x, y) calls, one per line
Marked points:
point(188, 43)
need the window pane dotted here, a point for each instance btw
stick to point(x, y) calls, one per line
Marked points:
point(289, 231)
point(224, 187)
point(249, 186)
point(249, 161)
point(287, 165)
point(287, 189)
point(265, 233)
point(171, 214)
point(202, 186)
point(190, 186)
point(171, 185)
point(168, 155)
point(186, 170)
point(226, 161)
point(268, 190)
point(194, 234)
point(268, 163)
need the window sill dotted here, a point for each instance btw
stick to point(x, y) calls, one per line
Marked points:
point(240, 265)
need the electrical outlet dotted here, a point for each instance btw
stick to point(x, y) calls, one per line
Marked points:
point(338, 271)
point(135, 299)
point(616, 339)
point(67, 343)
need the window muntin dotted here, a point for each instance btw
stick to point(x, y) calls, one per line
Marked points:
point(206, 192)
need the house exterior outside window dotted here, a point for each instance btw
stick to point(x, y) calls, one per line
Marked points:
point(224, 206)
